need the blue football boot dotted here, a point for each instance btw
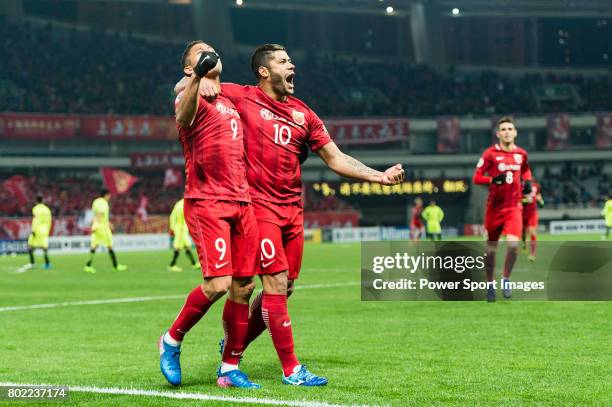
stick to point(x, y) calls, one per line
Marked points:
point(304, 378)
point(506, 289)
point(169, 361)
point(235, 378)
point(491, 294)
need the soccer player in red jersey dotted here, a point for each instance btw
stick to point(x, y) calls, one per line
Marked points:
point(504, 168)
point(531, 201)
point(219, 216)
point(416, 221)
point(277, 126)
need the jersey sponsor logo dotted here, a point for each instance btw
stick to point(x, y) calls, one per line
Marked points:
point(226, 110)
point(518, 158)
point(266, 114)
point(219, 265)
point(480, 162)
point(298, 117)
point(508, 167)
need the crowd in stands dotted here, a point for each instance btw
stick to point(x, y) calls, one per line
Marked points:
point(46, 69)
point(575, 186)
point(315, 202)
point(71, 195)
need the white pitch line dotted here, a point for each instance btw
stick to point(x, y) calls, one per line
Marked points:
point(142, 299)
point(189, 396)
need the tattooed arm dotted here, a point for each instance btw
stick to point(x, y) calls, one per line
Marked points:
point(347, 166)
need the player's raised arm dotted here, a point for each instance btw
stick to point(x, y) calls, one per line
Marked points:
point(209, 89)
point(347, 166)
point(187, 101)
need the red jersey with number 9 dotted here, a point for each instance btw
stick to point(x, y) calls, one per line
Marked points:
point(214, 153)
point(513, 164)
point(274, 133)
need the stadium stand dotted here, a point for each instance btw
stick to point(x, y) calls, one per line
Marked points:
point(80, 65)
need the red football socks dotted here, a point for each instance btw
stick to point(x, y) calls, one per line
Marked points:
point(490, 266)
point(235, 324)
point(511, 254)
point(194, 309)
point(256, 322)
point(532, 245)
point(276, 317)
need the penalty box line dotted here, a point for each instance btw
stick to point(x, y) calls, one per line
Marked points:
point(189, 396)
point(149, 298)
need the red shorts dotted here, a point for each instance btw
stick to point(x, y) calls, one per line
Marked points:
point(225, 235)
point(416, 224)
point(530, 218)
point(508, 221)
point(281, 237)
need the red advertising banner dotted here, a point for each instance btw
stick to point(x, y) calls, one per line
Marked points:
point(368, 131)
point(316, 219)
point(470, 229)
point(604, 130)
point(19, 228)
point(558, 126)
point(128, 127)
point(39, 126)
point(157, 160)
point(448, 134)
point(173, 178)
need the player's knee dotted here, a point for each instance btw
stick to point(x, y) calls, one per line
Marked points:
point(276, 284)
point(216, 288)
point(242, 289)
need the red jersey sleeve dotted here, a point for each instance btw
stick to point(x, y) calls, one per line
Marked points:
point(317, 133)
point(202, 109)
point(234, 92)
point(482, 168)
point(525, 170)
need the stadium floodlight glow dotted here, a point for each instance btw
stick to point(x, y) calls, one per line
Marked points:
point(455, 11)
point(239, 2)
point(389, 10)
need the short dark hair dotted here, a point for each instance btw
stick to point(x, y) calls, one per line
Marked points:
point(39, 198)
point(505, 119)
point(187, 50)
point(261, 57)
point(103, 192)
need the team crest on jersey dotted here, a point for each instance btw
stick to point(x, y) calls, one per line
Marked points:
point(266, 114)
point(518, 158)
point(298, 117)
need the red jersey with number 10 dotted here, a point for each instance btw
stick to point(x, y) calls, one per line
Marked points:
point(214, 153)
point(513, 164)
point(274, 133)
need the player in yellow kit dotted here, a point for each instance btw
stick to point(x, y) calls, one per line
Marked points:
point(181, 239)
point(41, 227)
point(607, 214)
point(101, 232)
point(433, 216)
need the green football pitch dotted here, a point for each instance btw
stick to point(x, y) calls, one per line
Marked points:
point(97, 334)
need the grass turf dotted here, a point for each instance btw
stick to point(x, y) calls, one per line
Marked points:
point(402, 353)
